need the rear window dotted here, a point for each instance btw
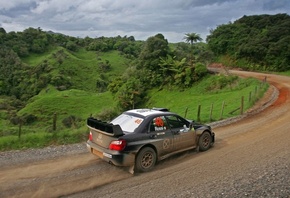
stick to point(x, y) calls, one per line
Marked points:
point(127, 123)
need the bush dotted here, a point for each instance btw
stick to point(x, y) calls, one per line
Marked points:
point(25, 119)
point(107, 114)
point(71, 121)
point(200, 70)
point(29, 119)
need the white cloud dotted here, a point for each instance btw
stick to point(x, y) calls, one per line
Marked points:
point(138, 18)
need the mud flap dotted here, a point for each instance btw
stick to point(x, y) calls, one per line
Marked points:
point(131, 169)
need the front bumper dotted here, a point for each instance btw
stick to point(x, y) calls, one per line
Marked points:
point(113, 157)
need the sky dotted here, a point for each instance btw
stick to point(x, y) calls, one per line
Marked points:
point(139, 18)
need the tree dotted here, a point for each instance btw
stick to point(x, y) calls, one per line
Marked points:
point(192, 37)
point(9, 64)
point(172, 69)
point(37, 40)
point(2, 30)
point(256, 42)
point(155, 47)
point(130, 94)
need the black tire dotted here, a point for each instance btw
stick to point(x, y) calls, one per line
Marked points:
point(204, 141)
point(145, 160)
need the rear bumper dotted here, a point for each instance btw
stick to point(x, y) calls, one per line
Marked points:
point(113, 157)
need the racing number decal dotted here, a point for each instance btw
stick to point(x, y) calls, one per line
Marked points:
point(166, 144)
point(138, 121)
point(159, 124)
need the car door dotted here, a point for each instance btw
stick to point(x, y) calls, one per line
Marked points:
point(184, 136)
point(161, 135)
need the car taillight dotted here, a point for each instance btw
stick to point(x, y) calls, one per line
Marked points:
point(117, 145)
point(91, 136)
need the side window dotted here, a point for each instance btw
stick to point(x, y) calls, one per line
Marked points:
point(158, 124)
point(176, 122)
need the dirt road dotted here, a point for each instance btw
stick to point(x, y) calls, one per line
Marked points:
point(251, 158)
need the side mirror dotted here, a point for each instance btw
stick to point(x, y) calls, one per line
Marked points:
point(185, 129)
point(190, 125)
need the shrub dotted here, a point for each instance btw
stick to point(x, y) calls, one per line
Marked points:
point(71, 121)
point(107, 114)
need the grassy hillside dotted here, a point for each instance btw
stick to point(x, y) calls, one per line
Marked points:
point(75, 106)
point(82, 68)
point(70, 108)
point(74, 102)
point(201, 94)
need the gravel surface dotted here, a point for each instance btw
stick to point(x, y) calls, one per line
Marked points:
point(16, 157)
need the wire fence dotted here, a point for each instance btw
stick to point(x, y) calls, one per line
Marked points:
point(216, 112)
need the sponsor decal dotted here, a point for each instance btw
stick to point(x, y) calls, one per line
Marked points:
point(166, 144)
point(100, 138)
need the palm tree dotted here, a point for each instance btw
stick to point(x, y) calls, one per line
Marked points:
point(192, 37)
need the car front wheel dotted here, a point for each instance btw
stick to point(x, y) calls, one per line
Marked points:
point(204, 141)
point(145, 160)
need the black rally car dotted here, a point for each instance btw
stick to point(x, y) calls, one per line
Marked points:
point(138, 138)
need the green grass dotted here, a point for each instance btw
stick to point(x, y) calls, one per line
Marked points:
point(81, 101)
point(34, 59)
point(81, 67)
point(119, 64)
point(287, 73)
point(189, 100)
point(65, 103)
point(42, 139)
point(82, 104)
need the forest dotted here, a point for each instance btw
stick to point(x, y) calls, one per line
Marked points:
point(149, 64)
point(259, 42)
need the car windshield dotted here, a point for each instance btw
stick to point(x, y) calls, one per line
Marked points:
point(127, 123)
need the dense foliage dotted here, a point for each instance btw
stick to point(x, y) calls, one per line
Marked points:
point(157, 66)
point(24, 81)
point(34, 60)
point(260, 42)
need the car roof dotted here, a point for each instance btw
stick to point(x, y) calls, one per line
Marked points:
point(147, 112)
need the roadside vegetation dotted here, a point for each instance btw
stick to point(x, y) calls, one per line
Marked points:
point(259, 42)
point(51, 83)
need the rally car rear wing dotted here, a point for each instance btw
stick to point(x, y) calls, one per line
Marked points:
point(104, 127)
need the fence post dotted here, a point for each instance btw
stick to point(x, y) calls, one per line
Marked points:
point(198, 113)
point(242, 105)
point(54, 122)
point(222, 111)
point(19, 130)
point(256, 90)
point(250, 96)
point(211, 109)
point(185, 114)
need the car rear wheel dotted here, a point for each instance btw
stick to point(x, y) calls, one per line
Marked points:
point(204, 141)
point(145, 160)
